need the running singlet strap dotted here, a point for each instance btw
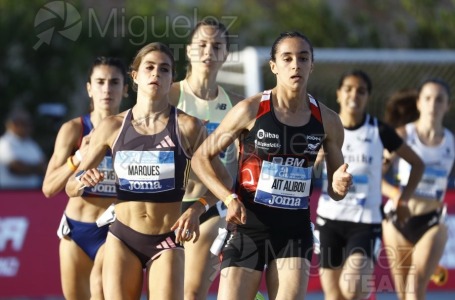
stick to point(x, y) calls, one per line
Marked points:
point(151, 168)
point(211, 112)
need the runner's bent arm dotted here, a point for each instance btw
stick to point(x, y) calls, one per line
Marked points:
point(101, 139)
point(339, 180)
point(58, 171)
point(237, 120)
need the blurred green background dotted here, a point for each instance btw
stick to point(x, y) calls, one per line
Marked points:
point(45, 54)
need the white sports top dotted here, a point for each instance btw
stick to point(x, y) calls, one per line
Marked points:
point(438, 164)
point(211, 112)
point(362, 150)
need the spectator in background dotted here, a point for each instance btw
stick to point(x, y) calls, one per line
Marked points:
point(22, 162)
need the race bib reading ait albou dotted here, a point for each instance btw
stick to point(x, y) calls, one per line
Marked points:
point(283, 186)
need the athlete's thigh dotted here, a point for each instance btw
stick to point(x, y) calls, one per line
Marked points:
point(396, 247)
point(238, 283)
point(287, 278)
point(332, 243)
point(429, 249)
point(122, 271)
point(399, 255)
point(358, 264)
point(201, 266)
point(75, 267)
point(165, 275)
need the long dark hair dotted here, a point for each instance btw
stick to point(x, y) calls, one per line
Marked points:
point(106, 61)
point(356, 73)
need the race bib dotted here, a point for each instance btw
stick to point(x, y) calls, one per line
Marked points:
point(352, 206)
point(357, 194)
point(432, 185)
point(211, 128)
point(106, 187)
point(145, 171)
point(283, 186)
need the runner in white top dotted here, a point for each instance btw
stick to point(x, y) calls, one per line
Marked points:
point(350, 230)
point(419, 240)
point(199, 95)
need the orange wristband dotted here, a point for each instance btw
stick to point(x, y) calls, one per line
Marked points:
point(229, 199)
point(203, 202)
point(69, 163)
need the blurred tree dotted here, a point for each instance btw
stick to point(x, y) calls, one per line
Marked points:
point(47, 46)
point(30, 76)
point(435, 23)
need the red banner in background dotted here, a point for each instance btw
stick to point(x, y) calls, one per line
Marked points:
point(29, 264)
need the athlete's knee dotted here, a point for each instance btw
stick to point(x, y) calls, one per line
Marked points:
point(354, 288)
point(353, 294)
point(332, 295)
point(96, 289)
point(77, 294)
point(421, 286)
point(98, 296)
point(193, 295)
point(76, 290)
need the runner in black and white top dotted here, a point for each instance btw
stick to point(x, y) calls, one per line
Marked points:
point(419, 239)
point(280, 132)
point(350, 230)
